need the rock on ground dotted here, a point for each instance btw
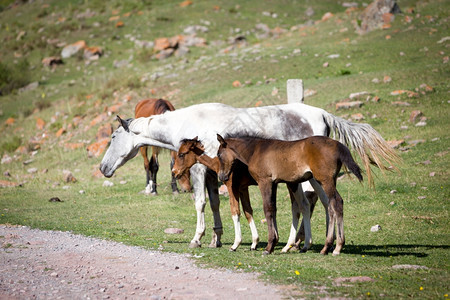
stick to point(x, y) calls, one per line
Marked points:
point(37, 264)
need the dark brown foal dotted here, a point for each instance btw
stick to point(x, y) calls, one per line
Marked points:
point(273, 161)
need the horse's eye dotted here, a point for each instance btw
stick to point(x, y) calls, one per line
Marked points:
point(181, 155)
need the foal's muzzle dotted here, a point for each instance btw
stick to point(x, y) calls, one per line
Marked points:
point(223, 177)
point(177, 173)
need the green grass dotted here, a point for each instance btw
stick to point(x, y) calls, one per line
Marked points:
point(414, 220)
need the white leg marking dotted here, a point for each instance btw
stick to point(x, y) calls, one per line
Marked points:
point(198, 180)
point(148, 189)
point(255, 237)
point(237, 232)
point(294, 225)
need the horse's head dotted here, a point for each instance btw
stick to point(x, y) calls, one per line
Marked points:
point(186, 156)
point(121, 149)
point(227, 157)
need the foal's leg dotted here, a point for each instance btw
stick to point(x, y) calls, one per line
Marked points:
point(312, 191)
point(154, 167)
point(295, 217)
point(268, 192)
point(248, 211)
point(318, 190)
point(173, 182)
point(312, 199)
point(340, 241)
point(213, 192)
point(235, 212)
point(143, 151)
point(333, 207)
point(305, 209)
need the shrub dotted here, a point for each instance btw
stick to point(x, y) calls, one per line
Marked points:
point(12, 145)
point(12, 78)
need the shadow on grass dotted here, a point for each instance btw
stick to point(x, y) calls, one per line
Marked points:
point(390, 250)
point(368, 250)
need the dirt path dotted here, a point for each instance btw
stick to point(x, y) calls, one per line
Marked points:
point(37, 264)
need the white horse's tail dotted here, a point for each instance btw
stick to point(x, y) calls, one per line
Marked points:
point(366, 141)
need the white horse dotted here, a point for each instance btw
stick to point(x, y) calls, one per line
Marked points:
point(286, 122)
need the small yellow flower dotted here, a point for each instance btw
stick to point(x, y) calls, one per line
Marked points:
point(363, 256)
point(239, 263)
point(421, 288)
point(446, 295)
point(297, 272)
point(117, 222)
point(368, 293)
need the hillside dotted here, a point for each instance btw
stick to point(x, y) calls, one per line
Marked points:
point(67, 68)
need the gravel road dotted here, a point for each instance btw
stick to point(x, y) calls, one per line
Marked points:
point(36, 264)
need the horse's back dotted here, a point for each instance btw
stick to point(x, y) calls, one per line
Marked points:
point(153, 106)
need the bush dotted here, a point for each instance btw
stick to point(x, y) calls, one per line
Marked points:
point(13, 78)
point(12, 145)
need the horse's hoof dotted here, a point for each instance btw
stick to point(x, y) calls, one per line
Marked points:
point(195, 244)
point(336, 253)
point(215, 245)
point(293, 248)
point(303, 250)
point(286, 249)
point(252, 249)
point(266, 252)
point(175, 192)
point(233, 250)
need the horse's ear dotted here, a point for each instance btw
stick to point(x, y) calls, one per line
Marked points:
point(221, 140)
point(123, 123)
point(194, 143)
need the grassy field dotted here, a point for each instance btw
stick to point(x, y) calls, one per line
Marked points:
point(412, 207)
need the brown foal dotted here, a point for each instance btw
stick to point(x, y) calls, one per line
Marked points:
point(273, 161)
point(146, 108)
point(192, 151)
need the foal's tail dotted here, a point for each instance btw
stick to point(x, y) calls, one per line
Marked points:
point(366, 141)
point(346, 158)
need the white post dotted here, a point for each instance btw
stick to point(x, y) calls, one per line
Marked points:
point(295, 91)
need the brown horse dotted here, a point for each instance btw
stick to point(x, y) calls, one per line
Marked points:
point(146, 108)
point(192, 151)
point(273, 161)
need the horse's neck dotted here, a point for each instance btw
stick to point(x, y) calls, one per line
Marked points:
point(212, 163)
point(150, 127)
point(144, 128)
point(243, 149)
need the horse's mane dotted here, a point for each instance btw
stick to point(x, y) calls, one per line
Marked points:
point(161, 106)
point(190, 140)
point(258, 136)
